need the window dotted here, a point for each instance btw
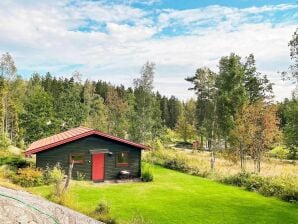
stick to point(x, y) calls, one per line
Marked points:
point(78, 158)
point(122, 159)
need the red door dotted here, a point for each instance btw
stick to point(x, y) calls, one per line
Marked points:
point(98, 164)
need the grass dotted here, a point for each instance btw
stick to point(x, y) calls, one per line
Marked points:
point(176, 197)
point(270, 167)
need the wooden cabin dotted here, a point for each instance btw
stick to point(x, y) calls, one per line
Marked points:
point(96, 155)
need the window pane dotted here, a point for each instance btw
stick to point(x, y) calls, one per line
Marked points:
point(77, 158)
point(122, 158)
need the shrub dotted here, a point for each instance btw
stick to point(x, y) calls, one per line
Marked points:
point(102, 213)
point(14, 161)
point(80, 176)
point(147, 174)
point(54, 176)
point(254, 182)
point(28, 177)
point(7, 171)
point(62, 199)
point(238, 179)
point(281, 187)
point(279, 152)
point(102, 208)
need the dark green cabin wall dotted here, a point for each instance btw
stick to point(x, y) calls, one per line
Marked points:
point(60, 154)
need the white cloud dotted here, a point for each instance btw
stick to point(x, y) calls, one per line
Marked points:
point(50, 36)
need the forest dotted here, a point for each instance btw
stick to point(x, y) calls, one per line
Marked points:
point(234, 108)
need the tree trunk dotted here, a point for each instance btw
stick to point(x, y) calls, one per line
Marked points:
point(242, 158)
point(202, 143)
point(212, 160)
point(259, 165)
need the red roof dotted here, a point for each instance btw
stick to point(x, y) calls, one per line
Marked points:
point(71, 135)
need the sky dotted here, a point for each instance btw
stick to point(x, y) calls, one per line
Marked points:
point(111, 39)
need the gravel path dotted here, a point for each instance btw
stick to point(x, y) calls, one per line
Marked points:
point(19, 207)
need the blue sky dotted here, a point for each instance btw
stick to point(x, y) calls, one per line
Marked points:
point(111, 40)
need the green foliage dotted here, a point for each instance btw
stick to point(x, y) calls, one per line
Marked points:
point(147, 173)
point(156, 144)
point(279, 152)
point(28, 177)
point(168, 136)
point(281, 187)
point(185, 127)
point(80, 176)
point(291, 127)
point(37, 115)
point(14, 161)
point(55, 176)
point(4, 141)
point(102, 213)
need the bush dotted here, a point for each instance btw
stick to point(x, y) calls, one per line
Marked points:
point(279, 152)
point(55, 176)
point(281, 187)
point(238, 179)
point(147, 174)
point(14, 161)
point(61, 199)
point(28, 177)
point(102, 213)
point(103, 208)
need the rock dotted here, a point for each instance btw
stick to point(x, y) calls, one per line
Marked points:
point(19, 207)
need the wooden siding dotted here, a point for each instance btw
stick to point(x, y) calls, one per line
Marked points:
point(60, 154)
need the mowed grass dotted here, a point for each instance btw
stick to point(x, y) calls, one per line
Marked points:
point(175, 197)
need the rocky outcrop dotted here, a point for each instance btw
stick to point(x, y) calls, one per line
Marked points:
point(22, 207)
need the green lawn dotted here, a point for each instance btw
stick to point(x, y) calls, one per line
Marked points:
point(175, 197)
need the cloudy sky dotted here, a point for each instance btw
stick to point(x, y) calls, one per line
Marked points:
point(112, 39)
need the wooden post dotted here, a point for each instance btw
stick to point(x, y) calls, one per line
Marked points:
point(68, 177)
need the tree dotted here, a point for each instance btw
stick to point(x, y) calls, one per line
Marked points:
point(97, 112)
point(204, 86)
point(257, 85)
point(173, 111)
point(185, 127)
point(147, 110)
point(7, 75)
point(70, 110)
point(293, 44)
point(291, 126)
point(36, 119)
point(256, 130)
point(231, 92)
point(117, 109)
